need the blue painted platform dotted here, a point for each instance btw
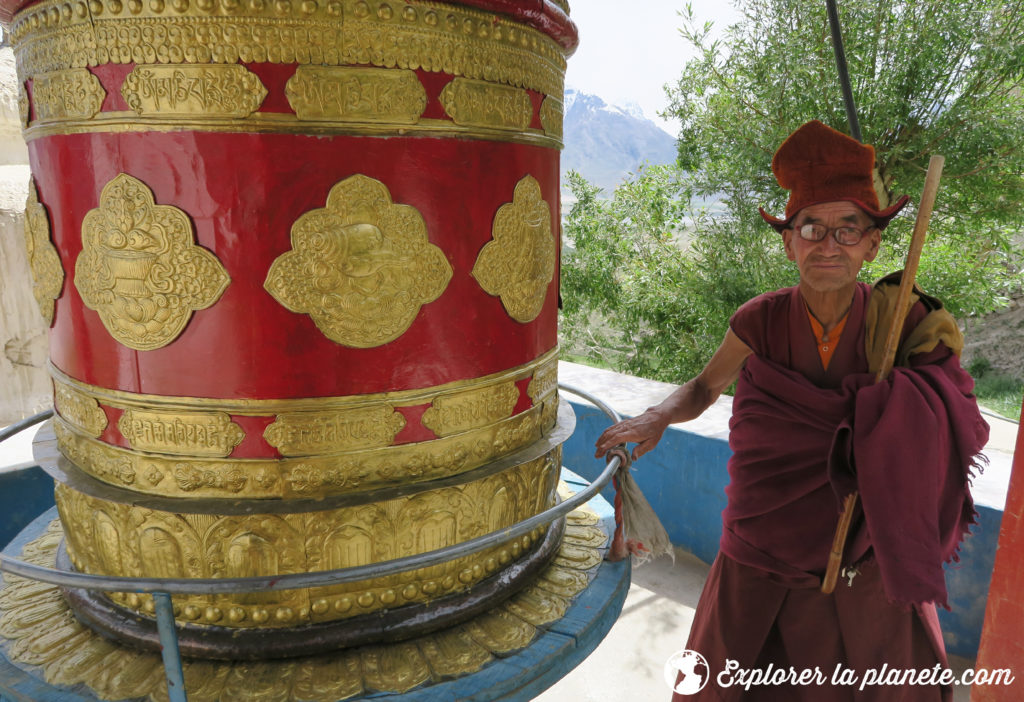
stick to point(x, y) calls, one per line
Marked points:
point(516, 678)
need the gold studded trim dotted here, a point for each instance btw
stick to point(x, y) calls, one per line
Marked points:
point(311, 476)
point(59, 34)
point(42, 631)
point(545, 364)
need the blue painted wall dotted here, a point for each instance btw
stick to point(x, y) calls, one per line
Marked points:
point(684, 480)
point(24, 495)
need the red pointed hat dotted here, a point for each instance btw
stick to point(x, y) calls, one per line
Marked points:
point(818, 164)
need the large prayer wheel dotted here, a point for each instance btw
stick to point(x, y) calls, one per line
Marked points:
point(301, 263)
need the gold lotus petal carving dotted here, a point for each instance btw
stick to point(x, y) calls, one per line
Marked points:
point(399, 667)
point(578, 557)
point(551, 115)
point(43, 259)
point(74, 93)
point(453, 652)
point(80, 410)
point(181, 433)
point(501, 631)
point(564, 582)
point(346, 94)
point(478, 103)
point(592, 536)
point(518, 264)
point(309, 433)
point(474, 44)
point(537, 606)
point(119, 539)
point(361, 267)
point(139, 268)
point(471, 409)
point(209, 90)
point(118, 671)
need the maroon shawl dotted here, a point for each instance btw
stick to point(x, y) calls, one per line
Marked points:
point(799, 447)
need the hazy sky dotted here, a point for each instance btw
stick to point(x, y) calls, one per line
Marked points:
point(629, 49)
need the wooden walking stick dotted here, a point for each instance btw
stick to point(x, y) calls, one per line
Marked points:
point(892, 339)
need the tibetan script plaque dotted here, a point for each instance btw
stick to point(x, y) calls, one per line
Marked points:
point(72, 94)
point(356, 94)
point(478, 103)
point(196, 90)
point(181, 433)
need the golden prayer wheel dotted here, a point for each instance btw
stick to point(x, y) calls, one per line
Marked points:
point(300, 262)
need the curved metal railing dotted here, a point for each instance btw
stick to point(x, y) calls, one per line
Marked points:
point(163, 588)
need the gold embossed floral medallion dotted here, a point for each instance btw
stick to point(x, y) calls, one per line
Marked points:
point(43, 261)
point(518, 264)
point(139, 268)
point(361, 267)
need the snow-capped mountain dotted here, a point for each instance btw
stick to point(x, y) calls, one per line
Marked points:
point(606, 142)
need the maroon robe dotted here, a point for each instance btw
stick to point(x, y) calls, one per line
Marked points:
point(803, 437)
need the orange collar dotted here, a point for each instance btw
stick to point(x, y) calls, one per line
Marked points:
point(826, 342)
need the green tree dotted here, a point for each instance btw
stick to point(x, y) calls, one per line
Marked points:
point(930, 76)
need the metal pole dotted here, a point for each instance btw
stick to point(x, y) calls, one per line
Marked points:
point(169, 647)
point(844, 75)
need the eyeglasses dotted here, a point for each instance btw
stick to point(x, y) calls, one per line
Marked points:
point(847, 236)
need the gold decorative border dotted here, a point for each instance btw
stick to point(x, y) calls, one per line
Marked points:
point(117, 539)
point(267, 122)
point(257, 407)
point(312, 476)
point(59, 34)
point(42, 631)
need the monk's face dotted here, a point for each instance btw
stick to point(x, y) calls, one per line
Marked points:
point(827, 265)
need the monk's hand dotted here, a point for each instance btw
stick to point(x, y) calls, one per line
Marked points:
point(645, 431)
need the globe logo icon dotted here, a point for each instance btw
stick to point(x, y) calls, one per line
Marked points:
point(686, 672)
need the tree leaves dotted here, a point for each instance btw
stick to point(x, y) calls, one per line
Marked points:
point(929, 76)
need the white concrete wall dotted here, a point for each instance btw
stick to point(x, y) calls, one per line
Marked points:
point(24, 384)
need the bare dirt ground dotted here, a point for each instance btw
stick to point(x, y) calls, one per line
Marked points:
point(998, 337)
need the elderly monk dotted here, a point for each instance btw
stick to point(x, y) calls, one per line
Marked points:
point(810, 426)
